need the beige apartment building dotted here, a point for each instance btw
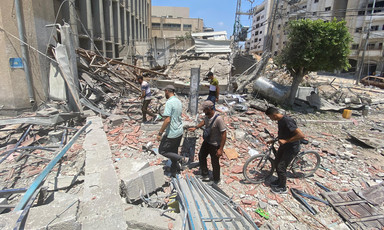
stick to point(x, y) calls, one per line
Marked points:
point(173, 22)
point(117, 28)
point(356, 13)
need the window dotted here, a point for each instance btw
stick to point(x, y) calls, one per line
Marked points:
point(316, 1)
point(361, 12)
point(259, 39)
point(258, 47)
point(380, 46)
point(187, 27)
point(374, 28)
point(314, 13)
point(359, 29)
point(261, 32)
point(258, 19)
point(383, 27)
point(155, 26)
point(355, 46)
point(327, 8)
point(305, 6)
point(371, 46)
point(169, 26)
point(278, 26)
point(257, 33)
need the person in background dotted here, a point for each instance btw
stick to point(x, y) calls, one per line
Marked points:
point(214, 89)
point(146, 95)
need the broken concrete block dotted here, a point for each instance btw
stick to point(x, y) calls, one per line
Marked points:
point(61, 213)
point(55, 136)
point(149, 218)
point(128, 167)
point(89, 113)
point(63, 182)
point(116, 119)
point(147, 181)
point(3, 201)
point(151, 127)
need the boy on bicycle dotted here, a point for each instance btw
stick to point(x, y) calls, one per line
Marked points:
point(289, 136)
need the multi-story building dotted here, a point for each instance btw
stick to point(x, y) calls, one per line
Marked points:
point(356, 13)
point(173, 22)
point(261, 14)
point(117, 28)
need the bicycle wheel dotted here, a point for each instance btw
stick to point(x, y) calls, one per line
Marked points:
point(256, 169)
point(306, 163)
point(134, 112)
point(160, 109)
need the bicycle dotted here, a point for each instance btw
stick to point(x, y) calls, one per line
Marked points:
point(135, 112)
point(261, 166)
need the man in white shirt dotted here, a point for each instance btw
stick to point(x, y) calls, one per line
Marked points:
point(146, 95)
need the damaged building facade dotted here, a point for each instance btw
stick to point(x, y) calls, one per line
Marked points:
point(115, 29)
point(356, 13)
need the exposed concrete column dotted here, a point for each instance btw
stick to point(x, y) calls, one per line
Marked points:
point(125, 24)
point(90, 22)
point(119, 33)
point(112, 29)
point(73, 21)
point(194, 91)
point(100, 9)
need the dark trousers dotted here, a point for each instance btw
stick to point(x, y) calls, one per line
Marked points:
point(213, 99)
point(169, 148)
point(145, 110)
point(283, 158)
point(205, 150)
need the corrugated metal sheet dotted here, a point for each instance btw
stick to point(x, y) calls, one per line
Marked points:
point(212, 46)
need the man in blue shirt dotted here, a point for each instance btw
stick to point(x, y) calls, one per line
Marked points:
point(173, 128)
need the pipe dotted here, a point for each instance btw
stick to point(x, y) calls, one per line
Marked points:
point(38, 181)
point(24, 51)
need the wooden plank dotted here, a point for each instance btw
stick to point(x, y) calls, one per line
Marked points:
point(349, 203)
point(368, 218)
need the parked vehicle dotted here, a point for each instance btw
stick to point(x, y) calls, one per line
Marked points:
point(374, 81)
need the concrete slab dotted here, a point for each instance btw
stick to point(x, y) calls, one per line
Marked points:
point(101, 205)
point(150, 219)
point(62, 182)
point(60, 214)
point(128, 167)
point(151, 127)
point(3, 201)
point(147, 180)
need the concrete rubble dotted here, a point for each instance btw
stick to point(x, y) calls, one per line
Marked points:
point(113, 177)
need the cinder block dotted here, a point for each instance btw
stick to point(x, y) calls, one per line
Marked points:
point(116, 120)
point(147, 180)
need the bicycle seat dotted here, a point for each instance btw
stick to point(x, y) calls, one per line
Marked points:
point(304, 142)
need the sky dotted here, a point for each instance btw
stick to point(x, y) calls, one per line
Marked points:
point(218, 14)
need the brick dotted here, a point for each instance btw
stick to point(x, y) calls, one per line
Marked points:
point(237, 169)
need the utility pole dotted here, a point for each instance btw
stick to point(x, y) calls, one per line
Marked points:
point(361, 67)
point(271, 24)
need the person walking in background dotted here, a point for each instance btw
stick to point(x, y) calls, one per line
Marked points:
point(146, 95)
point(214, 89)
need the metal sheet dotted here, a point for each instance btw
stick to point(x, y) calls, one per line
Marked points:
point(212, 46)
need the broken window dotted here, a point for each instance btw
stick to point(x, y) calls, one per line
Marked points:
point(316, 1)
point(374, 28)
point(355, 46)
point(358, 29)
point(327, 8)
point(155, 26)
point(371, 46)
point(361, 12)
point(380, 46)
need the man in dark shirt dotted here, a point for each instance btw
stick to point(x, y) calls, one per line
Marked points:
point(289, 136)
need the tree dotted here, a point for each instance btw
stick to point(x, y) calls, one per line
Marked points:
point(313, 46)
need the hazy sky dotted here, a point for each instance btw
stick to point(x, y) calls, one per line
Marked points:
point(218, 14)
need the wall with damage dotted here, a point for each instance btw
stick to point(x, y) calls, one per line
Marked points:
point(14, 89)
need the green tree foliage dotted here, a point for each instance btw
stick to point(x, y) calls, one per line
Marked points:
point(313, 46)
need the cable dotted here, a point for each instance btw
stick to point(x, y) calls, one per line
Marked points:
point(29, 46)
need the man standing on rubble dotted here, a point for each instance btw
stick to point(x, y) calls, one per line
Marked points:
point(213, 89)
point(173, 128)
point(214, 141)
point(146, 95)
point(289, 136)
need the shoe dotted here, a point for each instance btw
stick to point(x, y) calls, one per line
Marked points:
point(279, 190)
point(203, 177)
point(275, 183)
